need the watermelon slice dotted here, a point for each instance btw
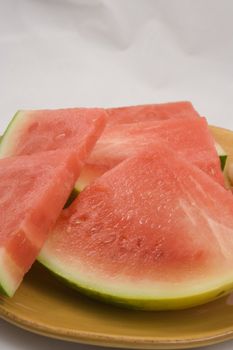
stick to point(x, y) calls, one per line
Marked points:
point(46, 130)
point(35, 187)
point(155, 232)
point(190, 137)
point(142, 113)
point(33, 191)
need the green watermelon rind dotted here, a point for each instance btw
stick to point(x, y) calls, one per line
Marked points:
point(222, 155)
point(138, 303)
point(7, 284)
point(3, 291)
point(74, 193)
point(223, 160)
point(6, 132)
point(79, 187)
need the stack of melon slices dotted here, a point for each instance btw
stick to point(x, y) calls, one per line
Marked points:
point(152, 225)
point(42, 155)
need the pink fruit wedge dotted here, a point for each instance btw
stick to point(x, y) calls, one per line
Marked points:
point(46, 130)
point(155, 232)
point(33, 191)
point(34, 188)
point(190, 137)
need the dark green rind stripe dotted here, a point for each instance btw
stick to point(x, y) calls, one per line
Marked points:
point(3, 291)
point(143, 303)
point(223, 160)
point(71, 198)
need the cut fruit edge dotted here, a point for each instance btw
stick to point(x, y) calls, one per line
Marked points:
point(192, 295)
point(144, 294)
point(90, 172)
point(15, 124)
point(30, 235)
point(10, 281)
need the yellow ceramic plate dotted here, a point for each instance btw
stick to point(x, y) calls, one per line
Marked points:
point(46, 306)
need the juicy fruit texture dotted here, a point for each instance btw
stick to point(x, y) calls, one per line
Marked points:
point(46, 130)
point(42, 185)
point(33, 191)
point(190, 137)
point(153, 112)
point(155, 232)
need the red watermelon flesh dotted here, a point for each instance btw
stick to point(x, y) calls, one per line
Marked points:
point(46, 130)
point(190, 137)
point(155, 232)
point(41, 181)
point(33, 192)
point(151, 112)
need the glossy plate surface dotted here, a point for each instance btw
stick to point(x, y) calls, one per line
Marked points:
point(44, 305)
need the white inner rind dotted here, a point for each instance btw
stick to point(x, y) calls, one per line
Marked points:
point(221, 152)
point(11, 136)
point(7, 281)
point(122, 287)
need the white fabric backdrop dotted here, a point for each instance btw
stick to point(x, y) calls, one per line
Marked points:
point(60, 53)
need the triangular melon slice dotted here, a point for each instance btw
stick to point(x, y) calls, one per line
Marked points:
point(190, 137)
point(33, 191)
point(32, 131)
point(155, 232)
point(35, 187)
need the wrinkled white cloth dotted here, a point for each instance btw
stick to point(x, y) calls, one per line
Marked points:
point(63, 53)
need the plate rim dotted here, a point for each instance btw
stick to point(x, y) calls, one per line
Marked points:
point(118, 341)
